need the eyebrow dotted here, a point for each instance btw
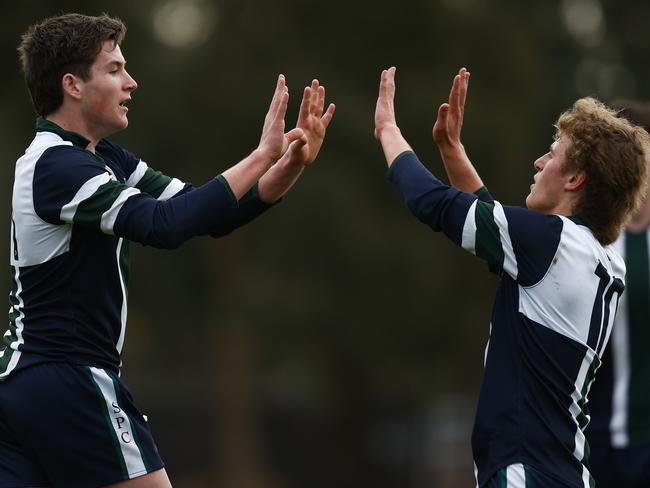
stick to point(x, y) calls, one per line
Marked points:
point(116, 63)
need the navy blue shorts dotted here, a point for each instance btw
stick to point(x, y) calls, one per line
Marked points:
point(70, 426)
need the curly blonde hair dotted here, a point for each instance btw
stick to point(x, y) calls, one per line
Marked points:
point(614, 155)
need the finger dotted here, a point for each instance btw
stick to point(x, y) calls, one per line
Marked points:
point(455, 92)
point(298, 143)
point(320, 101)
point(463, 95)
point(327, 118)
point(388, 83)
point(279, 88)
point(294, 134)
point(443, 113)
point(303, 112)
point(313, 101)
point(282, 103)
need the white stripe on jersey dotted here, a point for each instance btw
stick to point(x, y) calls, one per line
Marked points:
point(515, 476)
point(621, 369)
point(121, 424)
point(576, 396)
point(15, 355)
point(46, 241)
point(586, 477)
point(137, 174)
point(509, 259)
point(469, 230)
point(87, 190)
point(120, 340)
point(175, 185)
point(110, 216)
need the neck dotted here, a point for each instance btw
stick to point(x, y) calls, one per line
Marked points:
point(75, 124)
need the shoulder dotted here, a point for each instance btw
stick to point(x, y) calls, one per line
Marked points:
point(117, 152)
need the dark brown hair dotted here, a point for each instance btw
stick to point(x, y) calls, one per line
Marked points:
point(65, 44)
point(613, 153)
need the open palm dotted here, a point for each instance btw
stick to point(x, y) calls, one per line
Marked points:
point(312, 121)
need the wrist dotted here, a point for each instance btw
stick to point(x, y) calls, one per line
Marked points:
point(387, 131)
point(450, 150)
point(263, 157)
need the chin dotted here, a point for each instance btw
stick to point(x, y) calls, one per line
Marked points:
point(530, 203)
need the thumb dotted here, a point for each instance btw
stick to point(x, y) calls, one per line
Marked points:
point(443, 111)
point(295, 134)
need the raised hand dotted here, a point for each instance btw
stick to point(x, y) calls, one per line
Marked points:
point(313, 123)
point(274, 142)
point(386, 129)
point(385, 109)
point(446, 134)
point(446, 130)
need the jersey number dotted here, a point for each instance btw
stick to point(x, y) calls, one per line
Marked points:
point(601, 321)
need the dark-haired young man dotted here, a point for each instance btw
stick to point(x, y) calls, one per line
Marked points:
point(66, 418)
point(560, 278)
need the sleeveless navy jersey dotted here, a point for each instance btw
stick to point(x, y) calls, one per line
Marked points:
point(73, 215)
point(551, 320)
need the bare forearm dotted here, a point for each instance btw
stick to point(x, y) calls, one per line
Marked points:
point(279, 179)
point(460, 171)
point(393, 143)
point(242, 176)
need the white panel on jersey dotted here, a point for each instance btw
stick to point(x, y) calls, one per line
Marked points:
point(469, 230)
point(509, 259)
point(564, 299)
point(45, 240)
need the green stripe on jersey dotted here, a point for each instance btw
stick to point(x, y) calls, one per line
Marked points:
point(153, 183)
point(488, 240)
point(638, 296)
point(527, 477)
point(90, 211)
point(502, 479)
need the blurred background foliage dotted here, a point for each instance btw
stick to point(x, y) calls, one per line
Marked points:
point(335, 341)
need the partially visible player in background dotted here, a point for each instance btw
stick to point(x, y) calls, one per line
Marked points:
point(619, 402)
point(560, 279)
point(66, 418)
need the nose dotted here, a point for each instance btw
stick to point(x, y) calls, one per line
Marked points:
point(541, 162)
point(131, 84)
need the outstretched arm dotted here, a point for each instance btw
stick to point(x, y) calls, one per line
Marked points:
point(273, 145)
point(446, 134)
point(303, 151)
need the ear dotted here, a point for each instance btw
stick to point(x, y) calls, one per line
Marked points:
point(575, 181)
point(71, 85)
